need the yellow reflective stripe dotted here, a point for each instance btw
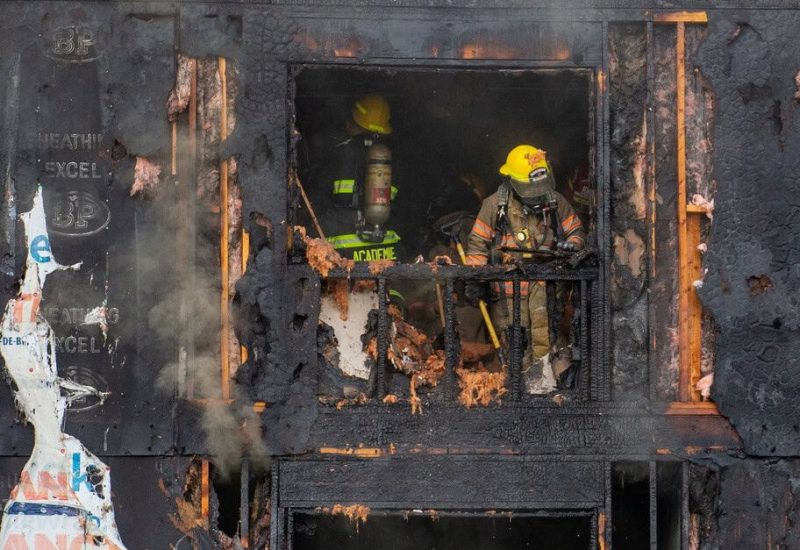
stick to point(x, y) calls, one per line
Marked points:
point(376, 128)
point(345, 241)
point(391, 238)
point(351, 240)
point(343, 186)
point(394, 192)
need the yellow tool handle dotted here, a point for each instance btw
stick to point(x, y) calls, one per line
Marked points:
point(489, 325)
point(481, 303)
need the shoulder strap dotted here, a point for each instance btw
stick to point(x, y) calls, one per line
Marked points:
point(500, 223)
point(501, 219)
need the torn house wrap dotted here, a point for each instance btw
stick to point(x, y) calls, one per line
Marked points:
point(63, 498)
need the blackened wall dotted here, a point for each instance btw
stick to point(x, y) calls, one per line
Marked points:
point(750, 59)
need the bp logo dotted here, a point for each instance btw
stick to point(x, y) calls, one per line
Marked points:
point(76, 44)
point(77, 214)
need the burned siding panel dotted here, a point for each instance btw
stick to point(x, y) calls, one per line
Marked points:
point(284, 372)
point(757, 505)
point(342, 36)
point(81, 105)
point(627, 97)
point(664, 288)
point(521, 431)
point(750, 60)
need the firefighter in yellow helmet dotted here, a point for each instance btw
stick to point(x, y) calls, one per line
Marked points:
point(355, 191)
point(524, 220)
point(359, 179)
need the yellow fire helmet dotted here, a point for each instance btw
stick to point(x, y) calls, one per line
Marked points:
point(523, 161)
point(371, 112)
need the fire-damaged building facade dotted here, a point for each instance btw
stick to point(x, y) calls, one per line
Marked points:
point(255, 264)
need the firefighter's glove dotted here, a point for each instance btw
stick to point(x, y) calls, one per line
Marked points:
point(567, 246)
point(474, 292)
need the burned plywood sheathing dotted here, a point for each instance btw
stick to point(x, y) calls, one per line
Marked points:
point(749, 62)
point(629, 186)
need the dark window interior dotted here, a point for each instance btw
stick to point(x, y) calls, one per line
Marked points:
point(630, 494)
point(448, 126)
point(317, 532)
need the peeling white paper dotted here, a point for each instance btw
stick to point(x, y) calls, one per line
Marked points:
point(352, 357)
point(63, 498)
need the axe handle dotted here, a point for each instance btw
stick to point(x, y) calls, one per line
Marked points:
point(481, 303)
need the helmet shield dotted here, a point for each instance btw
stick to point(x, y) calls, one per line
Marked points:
point(540, 182)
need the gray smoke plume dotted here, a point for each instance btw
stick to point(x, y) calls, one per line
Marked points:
point(231, 427)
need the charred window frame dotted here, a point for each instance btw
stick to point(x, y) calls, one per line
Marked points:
point(631, 502)
point(590, 333)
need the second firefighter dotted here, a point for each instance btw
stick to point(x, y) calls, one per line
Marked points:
point(526, 219)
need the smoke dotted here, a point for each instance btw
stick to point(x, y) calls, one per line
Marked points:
point(231, 427)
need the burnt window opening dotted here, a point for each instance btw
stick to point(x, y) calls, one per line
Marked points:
point(662, 504)
point(227, 491)
point(498, 530)
point(451, 131)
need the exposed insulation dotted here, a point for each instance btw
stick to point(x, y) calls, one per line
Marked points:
point(481, 387)
point(390, 399)
point(759, 284)
point(321, 255)
point(797, 86)
point(704, 203)
point(145, 178)
point(377, 267)
point(346, 313)
point(179, 96)
point(439, 260)
point(629, 250)
point(340, 290)
point(360, 399)
point(356, 513)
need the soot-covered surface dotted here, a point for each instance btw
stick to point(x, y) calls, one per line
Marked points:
point(748, 57)
point(752, 285)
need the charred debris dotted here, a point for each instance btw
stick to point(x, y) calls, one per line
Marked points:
point(254, 387)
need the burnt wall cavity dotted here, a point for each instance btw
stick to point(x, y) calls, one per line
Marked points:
point(750, 60)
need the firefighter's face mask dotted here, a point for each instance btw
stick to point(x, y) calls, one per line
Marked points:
point(539, 182)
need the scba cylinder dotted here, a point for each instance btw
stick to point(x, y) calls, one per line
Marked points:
point(378, 186)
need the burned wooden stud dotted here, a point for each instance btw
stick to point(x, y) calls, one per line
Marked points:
point(452, 344)
point(515, 335)
point(383, 339)
point(585, 361)
point(244, 503)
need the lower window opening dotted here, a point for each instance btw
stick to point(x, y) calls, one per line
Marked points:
point(430, 531)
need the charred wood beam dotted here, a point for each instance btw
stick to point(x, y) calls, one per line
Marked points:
point(538, 272)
